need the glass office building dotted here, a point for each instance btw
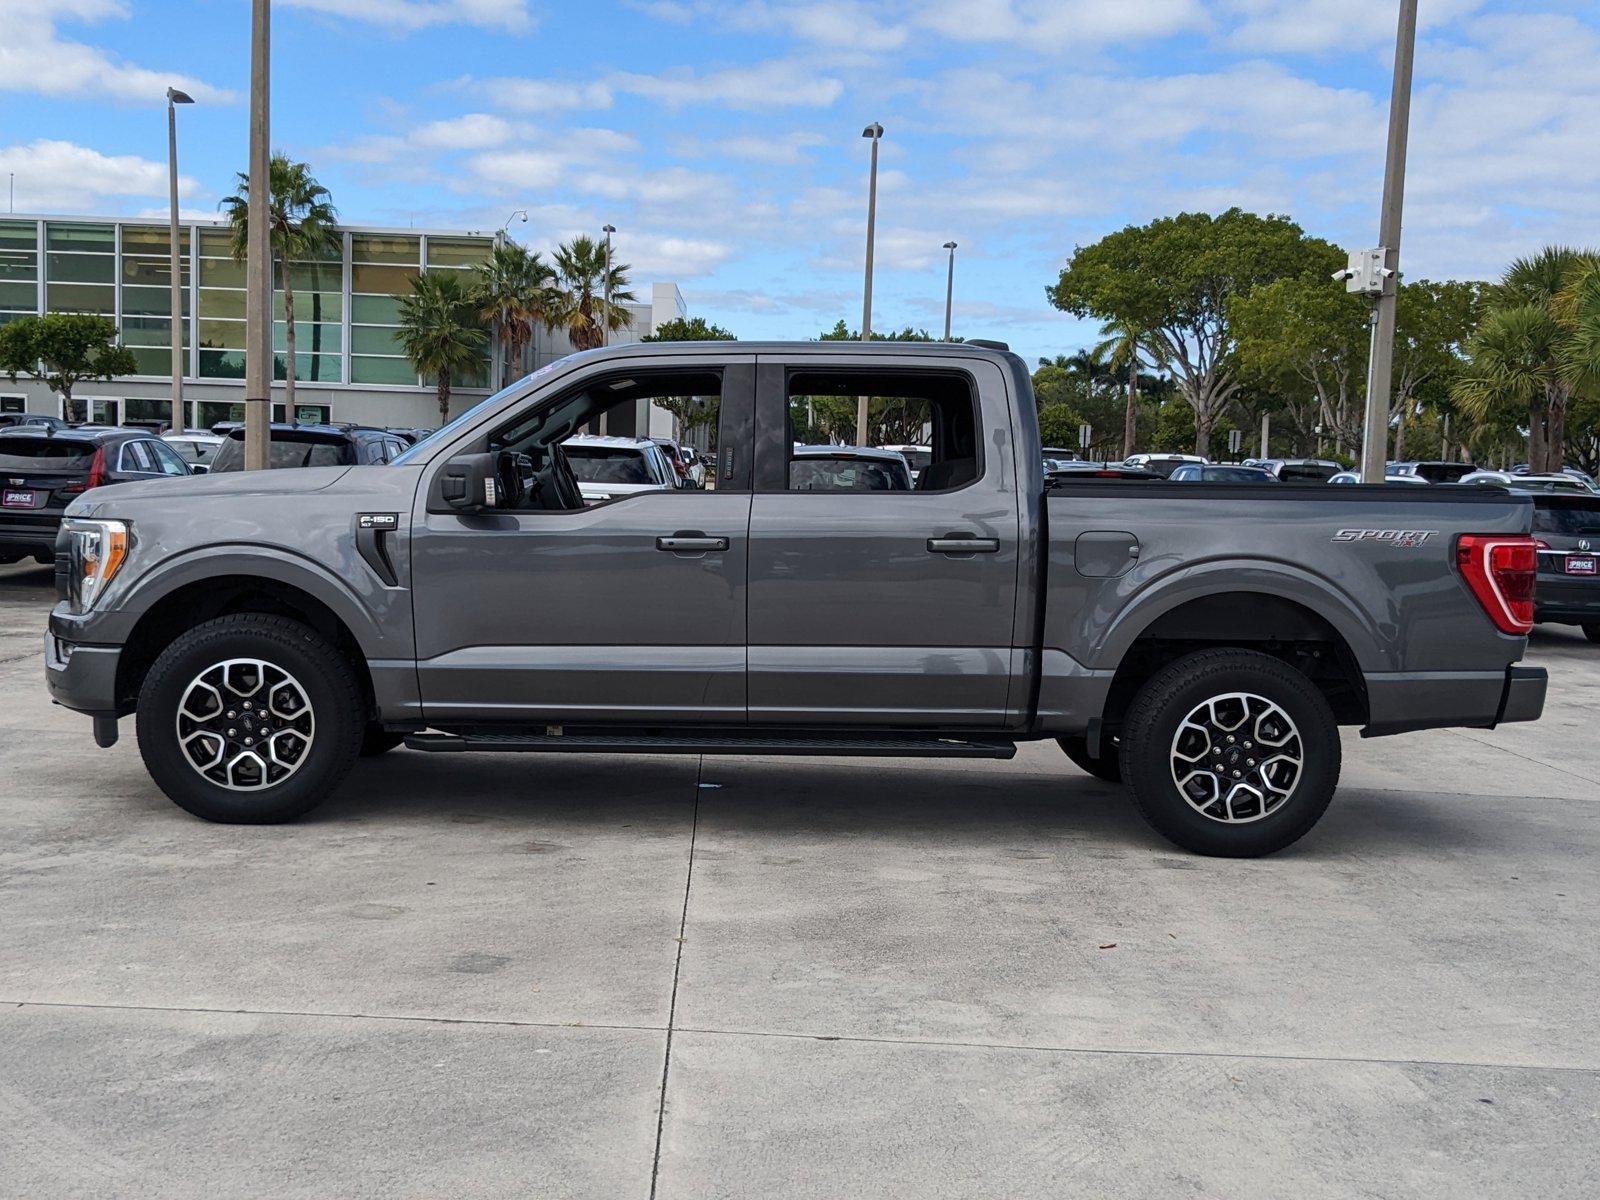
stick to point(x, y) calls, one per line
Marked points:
point(348, 361)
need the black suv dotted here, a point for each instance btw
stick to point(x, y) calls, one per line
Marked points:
point(311, 446)
point(43, 470)
point(1567, 591)
point(30, 421)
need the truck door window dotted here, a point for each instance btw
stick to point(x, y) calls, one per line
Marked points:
point(933, 409)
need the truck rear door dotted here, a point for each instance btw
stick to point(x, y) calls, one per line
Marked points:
point(872, 603)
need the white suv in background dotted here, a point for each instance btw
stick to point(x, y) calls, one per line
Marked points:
point(608, 468)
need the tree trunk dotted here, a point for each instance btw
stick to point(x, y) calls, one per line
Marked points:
point(1555, 446)
point(1400, 432)
point(288, 339)
point(1130, 418)
point(69, 407)
point(1535, 436)
point(1202, 430)
point(444, 398)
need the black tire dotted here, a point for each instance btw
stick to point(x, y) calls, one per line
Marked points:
point(378, 740)
point(1592, 631)
point(325, 679)
point(1149, 751)
point(1107, 767)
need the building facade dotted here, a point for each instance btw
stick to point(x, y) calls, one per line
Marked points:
point(349, 363)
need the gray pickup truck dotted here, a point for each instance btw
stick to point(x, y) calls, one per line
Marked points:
point(1202, 642)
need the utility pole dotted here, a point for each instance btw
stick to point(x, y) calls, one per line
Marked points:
point(949, 288)
point(1375, 440)
point(605, 315)
point(179, 321)
point(258, 269)
point(874, 132)
point(1266, 435)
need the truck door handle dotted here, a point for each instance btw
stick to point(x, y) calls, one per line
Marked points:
point(963, 543)
point(690, 541)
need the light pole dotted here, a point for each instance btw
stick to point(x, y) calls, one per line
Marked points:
point(605, 313)
point(258, 253)
point(874, 132)
point(949, 288)
point(1380, 365)
point(175, 98)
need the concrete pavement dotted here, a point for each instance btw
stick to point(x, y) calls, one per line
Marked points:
point(618, 977)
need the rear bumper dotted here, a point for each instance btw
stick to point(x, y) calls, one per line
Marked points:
point(1566, 599)
point(1403, 702)
point(31, 535)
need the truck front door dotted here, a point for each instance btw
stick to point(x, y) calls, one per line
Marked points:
point(630, 608)
point(873, 601)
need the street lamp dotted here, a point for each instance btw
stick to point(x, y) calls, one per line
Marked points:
point(605, 314)
point(258, 255)
point(949, 288)
point(521, 212)
point(175, 98)
point(874, 132)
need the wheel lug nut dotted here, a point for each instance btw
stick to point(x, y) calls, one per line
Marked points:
point(1249, 762)
point(1216, 749)
point(1230, 739)
point(231, 714)
point(1235, 774)
point(231, 732)
point(248, 741)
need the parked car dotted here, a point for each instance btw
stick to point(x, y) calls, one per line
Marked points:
point(196, 449)
point(311, 446)
point(1297, 470)
point(1432, 472)
point(43, 470)
point(1220, 473)
point(608, 468)
point(1199, 644)
point(1567, 527)
point(677, 458)
point(1577, 473)
point(917, 457)
point(1163, 464)
point(696, 464)
point(1079, 471)
point(409, 435)
point(1531, 483)
point(848, 469)
point(30, 421)
point(1355, 477)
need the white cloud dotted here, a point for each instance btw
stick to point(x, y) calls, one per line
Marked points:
point(54, 176)
point(473, 131)
point(776, 83)
point(670, 255)
point(1058, 23)
point(1331, 27)
point(541, 95)
point(512, 16)
point(35, 58)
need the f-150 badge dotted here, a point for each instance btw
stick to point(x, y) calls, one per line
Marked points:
point(1403, 539)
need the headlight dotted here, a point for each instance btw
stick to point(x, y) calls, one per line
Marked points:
point(96, 551)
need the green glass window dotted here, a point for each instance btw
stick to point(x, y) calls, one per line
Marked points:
point(472, 377)
point(311, 306)
point(373, 339)
point(18, 262)
point(23, 296)
point(80, 268)
point(221, 272)
point(148, 331)
point(384, 248)
point(366, 369)
point(313, 368)
point(217, 302)
point(98, 239)
point(151, 301)
point(216, 243)
point(387, 281)
point(315, 277)
point(152, 240)
point(81, 298)
point(375, 310)
point(458, 252)
point(319, 339)
point(152, 360)
point(225, 335)
point(19, 235)
point(222, 364)
point(146, 408)
point(153, 271)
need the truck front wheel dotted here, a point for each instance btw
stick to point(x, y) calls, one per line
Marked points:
point(249, 719)
point(1230, 753)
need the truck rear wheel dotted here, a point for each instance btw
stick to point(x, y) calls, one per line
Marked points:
point(1230, 753)
point(249, 719)
point(1107, 766)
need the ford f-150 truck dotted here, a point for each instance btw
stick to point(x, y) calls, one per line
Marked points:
point(1201, 642)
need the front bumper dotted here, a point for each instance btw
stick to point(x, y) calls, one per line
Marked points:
point(80, 676)
point(1407, 701)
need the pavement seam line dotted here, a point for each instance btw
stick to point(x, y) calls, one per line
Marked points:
point(677, 967)
point(863, 1039)
point(1538, 762)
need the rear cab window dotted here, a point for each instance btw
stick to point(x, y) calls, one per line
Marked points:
point(44, 454)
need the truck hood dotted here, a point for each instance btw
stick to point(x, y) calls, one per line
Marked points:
point(200, 488)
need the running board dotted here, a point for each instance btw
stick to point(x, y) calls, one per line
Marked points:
point(893, 746)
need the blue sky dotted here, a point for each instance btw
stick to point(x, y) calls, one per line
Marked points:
point(723, 139)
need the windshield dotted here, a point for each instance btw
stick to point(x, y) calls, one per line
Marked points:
point(1566, 520)
point(287, 451)
point(448, 430)
point(917, 460)
point(819, 473)
point(1307, 472)
point(608, 464)
point(42, 453)
point(1236, 475)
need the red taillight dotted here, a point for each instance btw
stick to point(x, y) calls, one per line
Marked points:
point(1501, 572)
point(97, 475)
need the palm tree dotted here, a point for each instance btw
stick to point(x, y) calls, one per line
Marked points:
point(300, 211)
point(581, 308)
point(516, 292)
point(440, 329)
point(1120, 350)
point(1514, 368)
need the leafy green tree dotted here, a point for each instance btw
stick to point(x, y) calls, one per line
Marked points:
point(1434, 322)
point(692, 412)
point(1123, 347)
point(688, 329)
point(891, 420)
point(441, 330)
point(581, 307)
point(301, 215)
point(1177, 277)
point(63, 350)
point(1058, 425)
point(516, 291)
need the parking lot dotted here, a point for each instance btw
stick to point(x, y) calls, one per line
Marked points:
point(633, 977)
